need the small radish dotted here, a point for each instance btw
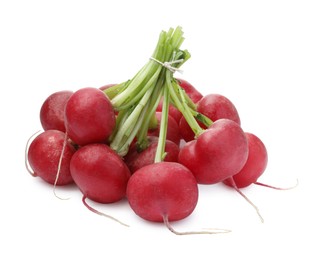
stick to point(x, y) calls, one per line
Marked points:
point(213, 106)
point(100, 173)
point(44, 155)
point(138, 159)
point(89, 116)
point(216, 106)
point(255, 165)
point(162, 190)
point(217, 154)
point(52, 110)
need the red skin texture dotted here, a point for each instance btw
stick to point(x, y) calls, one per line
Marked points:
point(44, 154)
point(136, 160)
point(218, 153)
point(162, 189)
point(173, 132)
point(52, 110)
point(191, 91)
point(255, 164)
point(89, 116)
point(215, 107)
point(100, 173)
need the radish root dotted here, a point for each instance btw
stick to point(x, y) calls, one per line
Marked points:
point(59, 169)
point(277, 188)
point(101, 213)
point(202, 232)
point(246, 198)
point(28, 168)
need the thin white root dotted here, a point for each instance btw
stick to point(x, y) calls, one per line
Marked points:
point(247, 199)
point(101, 213)
point(59, 169)
point(277, 188)
point(28, 168)
point(201, 232)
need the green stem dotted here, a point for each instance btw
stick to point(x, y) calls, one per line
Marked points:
point(142, 141)
point(137, 99)
point(127, 127)
point(160, 150)
point(180, 103)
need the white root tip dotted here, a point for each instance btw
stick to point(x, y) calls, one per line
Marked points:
point(205, 231)
point(28, 168)
point(101, 213)
point(247, 199)
point(59, 168)
point(277, 188)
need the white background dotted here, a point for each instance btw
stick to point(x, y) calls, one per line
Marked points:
point(265, 56)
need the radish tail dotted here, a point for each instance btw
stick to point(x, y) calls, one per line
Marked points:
point(59, 169)
point(246, 198)
point(277, 188)
point(168, 225)
point(28, 168)
point(101, 213)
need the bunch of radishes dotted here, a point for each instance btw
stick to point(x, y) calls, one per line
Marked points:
point(151, 139)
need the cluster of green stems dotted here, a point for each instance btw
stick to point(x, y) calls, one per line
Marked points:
point(136, 100)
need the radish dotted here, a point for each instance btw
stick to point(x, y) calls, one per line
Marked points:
point(213, 106)
point(89, 116)
point(162, 190)
point(44, 157)
point(218, 153)
point(255, 165)
point(100, 173)
point(52, 110)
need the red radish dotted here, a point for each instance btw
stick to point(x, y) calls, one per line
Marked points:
point(100, 173)
point(191, 91)
point(52, 110)
point(136, 160)
point(218, 153)
point(255, 165)
point(173, 132)
point(44, 155)
point(213, 106)
point(89, 116)
point(216, 106)
point(165, 190)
